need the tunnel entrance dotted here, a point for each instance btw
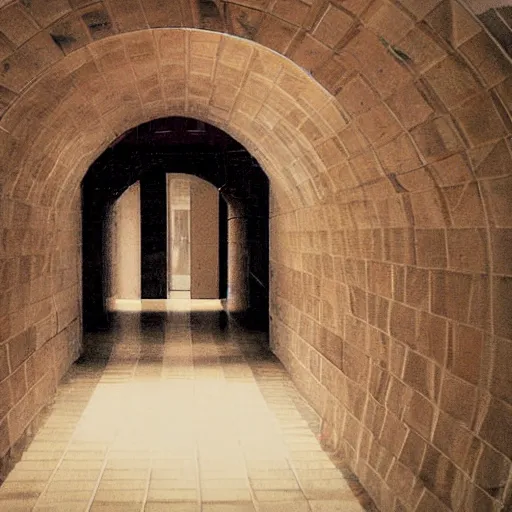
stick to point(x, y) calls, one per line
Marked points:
point(145, 241)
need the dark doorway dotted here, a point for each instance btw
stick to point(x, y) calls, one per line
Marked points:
point(153, 228)
point(146, 154)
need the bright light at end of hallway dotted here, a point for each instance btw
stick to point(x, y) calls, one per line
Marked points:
point(156, 305)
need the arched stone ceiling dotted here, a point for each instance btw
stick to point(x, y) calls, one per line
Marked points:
point(399, 84)
point(95, 94)
point(371, 118)
point(405, 119)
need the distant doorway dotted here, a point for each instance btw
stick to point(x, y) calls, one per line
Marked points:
point(193, 223)
point(178, 236)
point(128, 253)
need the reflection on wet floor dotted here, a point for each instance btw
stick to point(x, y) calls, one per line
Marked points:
point(179, 411)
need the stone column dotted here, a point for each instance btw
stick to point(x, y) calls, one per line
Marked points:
point(125, 257)
point(238, 257)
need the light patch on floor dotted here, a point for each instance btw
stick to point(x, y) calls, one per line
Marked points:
point(176, 410)
point(178, 301)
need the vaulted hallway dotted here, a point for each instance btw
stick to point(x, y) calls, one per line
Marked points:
point(383, 132)
point(179, 410)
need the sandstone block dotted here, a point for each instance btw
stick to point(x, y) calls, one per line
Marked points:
point(459, 399)
point(413, 451)
point(403, 322)
point(419, 414)
point(497, 426)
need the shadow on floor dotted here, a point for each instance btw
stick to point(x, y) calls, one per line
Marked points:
point(179, 410)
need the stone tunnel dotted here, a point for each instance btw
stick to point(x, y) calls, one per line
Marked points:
point(384, 129)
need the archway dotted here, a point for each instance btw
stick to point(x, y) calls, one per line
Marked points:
point(374, 205)
point(147, 154)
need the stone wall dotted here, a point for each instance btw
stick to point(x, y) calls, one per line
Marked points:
point(385, 132)
point(40, 325)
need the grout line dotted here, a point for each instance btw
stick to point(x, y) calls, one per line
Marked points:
point(194, 401)
point(105, 460)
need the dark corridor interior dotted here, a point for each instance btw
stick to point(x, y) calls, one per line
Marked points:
point(146, 154)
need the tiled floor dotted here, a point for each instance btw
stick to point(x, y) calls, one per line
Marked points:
point(174, 411)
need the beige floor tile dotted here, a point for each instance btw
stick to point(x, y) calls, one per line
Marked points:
point(312, 464)
point(128, 464)
point(313, 456)
point(13, 487)
point(46, 446)
point(279, 495)
point(228, 507)
point(170, 462)
point(64, 495)
point(153, 506)
point(17, 505)
point(336, 506)
point(224, 483)
point(172, 495)
point(81, 465)
point(85, 456)
point(268, 465)
point(223, 474)
point(274, 483)
point(27, 495)
point(283, 506)
point(69, 506)
point(70, 475)
point(173, 474)
point(36, 465)
point(318, 474)
point(125, 474)
point(114, 507)
point(31, 455)
point(313, 493)
point(73, 485)
point(173, 484)
point(77, 446)
point(115, 495)
point(178, 414)
point(141, 457)
point(122, 485)
point(329, 484)
point(20, 475)
point(225, 495)
point(272, 474)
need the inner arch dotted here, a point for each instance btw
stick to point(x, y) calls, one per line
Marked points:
point(118, 83)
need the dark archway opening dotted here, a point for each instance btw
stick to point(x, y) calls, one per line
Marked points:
point(146, 154)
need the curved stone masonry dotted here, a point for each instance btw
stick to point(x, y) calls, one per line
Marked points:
point(171, 411)
point(389, 161)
